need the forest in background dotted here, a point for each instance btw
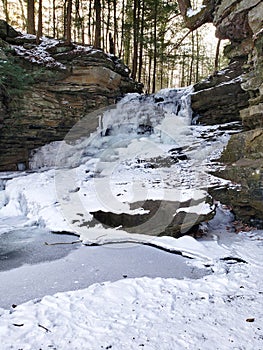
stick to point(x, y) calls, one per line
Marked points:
point(148, 35)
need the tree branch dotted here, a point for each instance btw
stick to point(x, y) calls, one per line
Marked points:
point(205, 15)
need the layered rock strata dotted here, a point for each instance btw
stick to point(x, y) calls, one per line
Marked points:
point(69, 81)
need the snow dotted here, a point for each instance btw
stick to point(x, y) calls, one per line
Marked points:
point(191, 12)
point(38, 55)
point(118, 164)
point(144, 149)
point(221, 310)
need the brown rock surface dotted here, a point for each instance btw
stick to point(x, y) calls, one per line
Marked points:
point(70, 81)
point(240, 21)
point(244, 167)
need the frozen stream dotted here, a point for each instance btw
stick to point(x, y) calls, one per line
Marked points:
point(30, 269)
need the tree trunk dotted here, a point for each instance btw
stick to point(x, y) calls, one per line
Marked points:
point(31, 17)
point(112, 48)
point(97, 40)
point(115, 25)
point(65, 19)
point(54, 19)
point(149, 74)
point(192, 58)
point(197, 58)
point(40, 22)
point(6, 10)
point(77, 21)
point(141, 43)
point(89, 22)
point(102, 29)
point(122, 27)
point(135, 38)
point(217, 55)
point(205, 15)
point(68, 22)
point(108, 26)
point(155, 48)
point(184, 5)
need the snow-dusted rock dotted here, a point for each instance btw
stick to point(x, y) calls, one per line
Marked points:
point(69, 82)
point(219, 98)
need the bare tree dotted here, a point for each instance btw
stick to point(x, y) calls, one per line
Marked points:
point(97, 40)
point(40, 22)
point(217, 55)
point(31, 17)
point(136, 16)
point(5, 10)
point(68, 22)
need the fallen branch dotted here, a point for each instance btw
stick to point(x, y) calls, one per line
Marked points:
point(46, 329)
point(58, 243)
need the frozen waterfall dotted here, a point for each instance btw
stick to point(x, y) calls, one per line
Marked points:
point(124, 173)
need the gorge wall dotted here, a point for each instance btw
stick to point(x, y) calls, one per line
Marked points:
point(67, 82)
point(244, 154)
point(236, 93)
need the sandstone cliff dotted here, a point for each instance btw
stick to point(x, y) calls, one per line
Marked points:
point(69, 81)
point(241, 22)
point(234, 93)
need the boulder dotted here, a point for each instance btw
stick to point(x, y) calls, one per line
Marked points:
point(169, 218)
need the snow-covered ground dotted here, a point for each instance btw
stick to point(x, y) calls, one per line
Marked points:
point(222, 310)
point(144, 149)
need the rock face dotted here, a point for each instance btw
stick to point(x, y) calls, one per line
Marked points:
point(69, 81)
point(241, 21)
point(238, 95)
point(244, 166)
point(219, 98)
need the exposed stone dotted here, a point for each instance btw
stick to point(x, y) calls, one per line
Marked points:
point(247, 145)
point(219, 98)
point(255, 19)
point(162, 218)
point(6, 31)
point(234, 27)
point(241, 22)
point(244, 159)
point(204, 15)
point(71, 83)
point(253, 115)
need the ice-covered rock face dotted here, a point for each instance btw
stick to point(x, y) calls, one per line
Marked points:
point(142, 172)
